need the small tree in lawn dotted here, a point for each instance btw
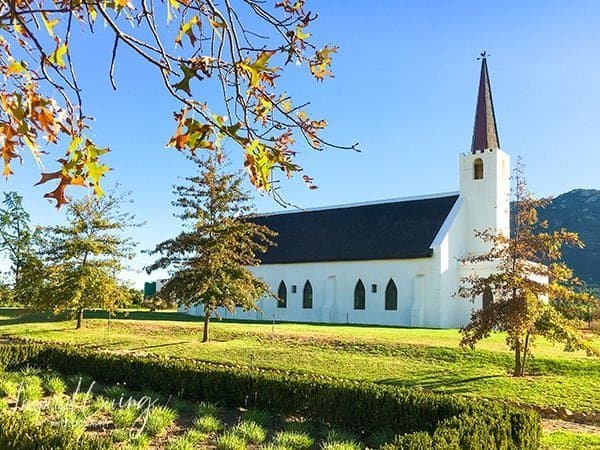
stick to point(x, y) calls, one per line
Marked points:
point(529, 272)
point(85, 255)
point(209, 260)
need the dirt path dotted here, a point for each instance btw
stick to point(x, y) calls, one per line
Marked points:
point(550, 425)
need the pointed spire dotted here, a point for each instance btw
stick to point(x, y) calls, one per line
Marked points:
point(485, 133)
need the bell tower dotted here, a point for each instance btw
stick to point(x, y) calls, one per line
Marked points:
point(485, 172)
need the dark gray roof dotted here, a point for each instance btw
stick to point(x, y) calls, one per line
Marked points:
point(387, 230)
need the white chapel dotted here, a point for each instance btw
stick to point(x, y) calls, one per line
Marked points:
point(391, 262)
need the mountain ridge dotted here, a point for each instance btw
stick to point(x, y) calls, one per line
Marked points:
point(578, 210)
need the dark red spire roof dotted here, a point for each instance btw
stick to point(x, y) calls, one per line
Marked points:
point(485, 133)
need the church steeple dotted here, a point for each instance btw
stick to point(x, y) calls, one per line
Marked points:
point(485, 132)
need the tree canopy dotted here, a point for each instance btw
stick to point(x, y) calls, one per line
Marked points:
point(209, 260)
point(84, 256)
point(529, 272)
point(16, 235)
point(238, 48)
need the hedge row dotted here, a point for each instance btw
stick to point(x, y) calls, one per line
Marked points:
point(428, 420)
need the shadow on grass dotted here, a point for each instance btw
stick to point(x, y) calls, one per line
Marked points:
point(170, 344)
point(455, 384)
point(19, 316)
point(169, 316)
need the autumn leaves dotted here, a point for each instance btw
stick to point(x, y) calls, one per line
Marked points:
point(241, 49)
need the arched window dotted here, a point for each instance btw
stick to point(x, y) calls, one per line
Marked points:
point(391, 296)
point(488, 297)
point(282, 294)
point(478, 169)
point(307, 296)
point(359, 295)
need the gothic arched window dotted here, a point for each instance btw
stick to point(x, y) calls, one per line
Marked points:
point(282, 294)
point(488, 297)
point(307, 296)
point(359, 295)
point(478, 169)
point(391, 296)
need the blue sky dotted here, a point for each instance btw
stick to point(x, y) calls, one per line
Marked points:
point(404, 88)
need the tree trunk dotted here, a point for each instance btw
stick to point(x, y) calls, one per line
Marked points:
point(79, 319)
point(518, 368)
point(525, 351)
point(206, 320)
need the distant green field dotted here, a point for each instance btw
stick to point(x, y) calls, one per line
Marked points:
point(422, 358)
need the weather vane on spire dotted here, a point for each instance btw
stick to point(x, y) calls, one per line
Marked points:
point(483, 55)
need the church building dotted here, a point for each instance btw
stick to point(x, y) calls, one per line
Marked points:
point(390, 262)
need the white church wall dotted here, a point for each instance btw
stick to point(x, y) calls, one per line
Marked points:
point(333, 286)
point(455, 311)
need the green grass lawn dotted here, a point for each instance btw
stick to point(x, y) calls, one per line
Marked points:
point(564, 440)
point(424, 358)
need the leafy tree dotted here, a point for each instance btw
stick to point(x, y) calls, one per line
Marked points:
point(6, 294)
point(529, 271)
point(33, 280)
point(20, 243)
point(585, 307)
point(134, 297)
point(85, 256)
point(16, 235)
point(209, 260)
point(236, 48)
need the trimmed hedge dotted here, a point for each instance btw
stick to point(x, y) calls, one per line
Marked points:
point(426, 419)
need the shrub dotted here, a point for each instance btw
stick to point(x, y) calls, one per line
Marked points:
point(17, 433)
point(83, 381)
point(55, 385)
point(293, 440)
point(120, 435)
point(81, 398)
point(125, 417)
point(31, 415)
point(195, 437)
point(208, 424)
point(73, 422)
point(57, 405)
point(183, 407)
point(342, 446)
point(414, 441)
point(180, 443)
point(230, 441)
point(272, 446)
point(258, 416)
point(115, 392)
point(141, 442)
point(250, 432)
point(31, 391)
point(336, 435)
point(159, 419)
point(208, 409)
point(380, 437)
point(8, 388)
point(3, 405)
point(300, 427)
point(102, 405)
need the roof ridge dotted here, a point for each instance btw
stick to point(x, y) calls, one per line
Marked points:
point(360, 204)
